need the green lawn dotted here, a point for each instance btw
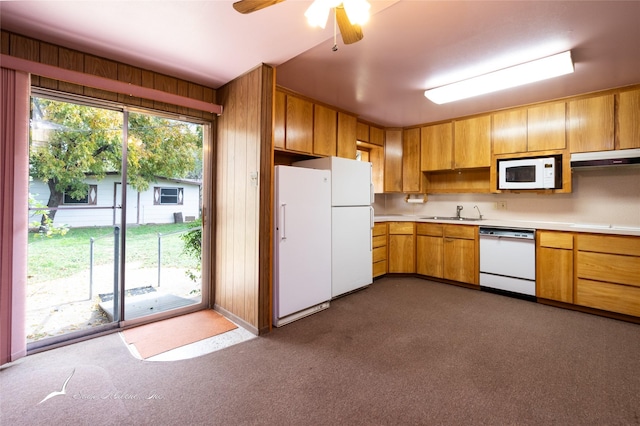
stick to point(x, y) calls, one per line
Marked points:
point(62, 256)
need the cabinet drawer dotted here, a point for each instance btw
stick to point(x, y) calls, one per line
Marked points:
point(379, 253)
point(460, 231)
point(609, 268)
point(609, 244)
point(402, 228)
point(557, 240)
point(431, 229)
point(379, 268)
point(379, 229)
point(609, 297)
point(379, 241)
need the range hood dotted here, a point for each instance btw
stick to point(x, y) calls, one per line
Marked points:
point(621, 157)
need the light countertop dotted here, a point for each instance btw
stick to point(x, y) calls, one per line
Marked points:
point(551, 226)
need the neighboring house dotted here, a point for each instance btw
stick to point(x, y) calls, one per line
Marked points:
point(163, 202)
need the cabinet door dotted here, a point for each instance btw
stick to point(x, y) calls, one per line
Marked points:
point(554, 279)
point(472, 143)
point(362, 132)
point(429, 256)
point(411, 175)
point(325, 125)
point(436, 147)
point(376, 157)
point(280, 114)
point(299, 125)
point(509, 132)
point(459, 260)
point(629, 119)
point(546, 126)
point(590, 126)
point(393, 161)
point(402, 252)
point(376, 136)
point(347, 136)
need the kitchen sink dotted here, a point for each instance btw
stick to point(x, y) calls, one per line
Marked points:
point(461, 219)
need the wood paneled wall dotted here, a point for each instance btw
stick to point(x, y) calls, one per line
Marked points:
point(46, 53)
point(244, 191)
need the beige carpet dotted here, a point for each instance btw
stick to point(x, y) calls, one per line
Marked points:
point(158, 337)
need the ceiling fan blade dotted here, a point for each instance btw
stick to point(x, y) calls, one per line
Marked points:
point(249, 6)
point(350, 33)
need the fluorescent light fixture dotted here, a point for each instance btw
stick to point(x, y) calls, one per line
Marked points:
point(318, 12)
point(529, 72)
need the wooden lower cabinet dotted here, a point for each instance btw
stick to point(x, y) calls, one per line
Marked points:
point(554, 266)
point(379, 245)
point(447, 251)
point(608, 273)
point(460, 264)
point(402, 247)
point(429, 256)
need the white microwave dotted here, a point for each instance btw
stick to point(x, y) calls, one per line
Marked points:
point(530, 173)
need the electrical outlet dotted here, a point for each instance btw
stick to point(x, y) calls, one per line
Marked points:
point(501, 205)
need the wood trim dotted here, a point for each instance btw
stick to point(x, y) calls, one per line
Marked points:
point(96, 82)
point(265, 290)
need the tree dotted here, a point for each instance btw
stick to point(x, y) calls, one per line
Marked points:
point(80, 141)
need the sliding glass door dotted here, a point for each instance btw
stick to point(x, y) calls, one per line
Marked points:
point(163, 208)
point(115, 217)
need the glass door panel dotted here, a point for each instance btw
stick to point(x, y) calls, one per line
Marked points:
point(163, 209)
point(72, 273)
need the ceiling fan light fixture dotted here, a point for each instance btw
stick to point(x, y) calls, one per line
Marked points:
point(357, 11)
point(317, 14)
point(529, 72)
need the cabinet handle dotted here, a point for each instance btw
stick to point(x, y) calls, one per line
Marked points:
point(449, 240)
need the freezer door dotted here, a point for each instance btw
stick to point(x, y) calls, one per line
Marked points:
point(302, 239)
point(351, 249)
point(351, 183)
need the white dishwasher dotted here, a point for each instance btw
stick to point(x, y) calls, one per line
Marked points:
point(508, 260)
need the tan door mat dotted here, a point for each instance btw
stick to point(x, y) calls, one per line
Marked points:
point(161, 336)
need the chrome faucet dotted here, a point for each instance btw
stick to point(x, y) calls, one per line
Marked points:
point(458, 210)
point(479, 214)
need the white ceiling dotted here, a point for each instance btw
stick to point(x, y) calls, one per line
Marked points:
point(408, 46)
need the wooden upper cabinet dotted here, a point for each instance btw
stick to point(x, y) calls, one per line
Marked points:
point(376, 157)
point(539, 128)
point(472, 143)
point(376, 135)
point(436, 144)
point(591, 124)
point(510, 132)
point(325, 131)
point(299, 125)
point(412, 177)
point(629, 119)
point(393, 161)
point(347, 125)
point(362, 131)
point(279, 113)
point(546, 126)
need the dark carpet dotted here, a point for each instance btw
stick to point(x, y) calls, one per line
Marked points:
point(403, 351)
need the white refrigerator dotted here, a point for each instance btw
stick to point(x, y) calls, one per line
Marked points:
point(351, 222)
point(302, 243)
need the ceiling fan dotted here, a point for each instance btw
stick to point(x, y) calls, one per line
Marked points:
point(349, 14)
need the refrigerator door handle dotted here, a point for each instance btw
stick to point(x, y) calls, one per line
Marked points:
point(283, 232)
